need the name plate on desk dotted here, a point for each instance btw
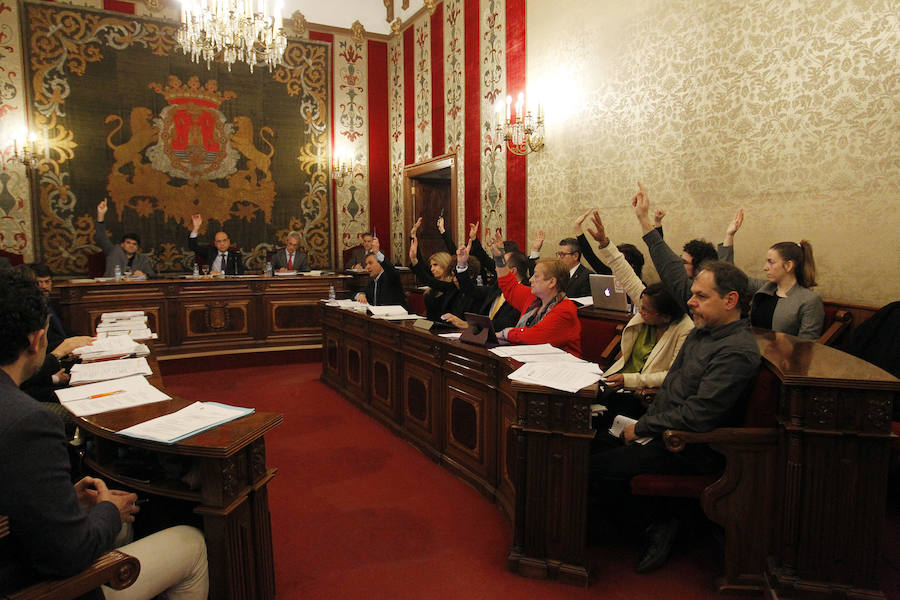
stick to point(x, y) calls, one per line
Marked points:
point(423, 324)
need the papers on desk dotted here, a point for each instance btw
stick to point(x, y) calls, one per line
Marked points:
point(118, 346)
point(284, 273)
point(189, 421)
point(316, 273)
point(452, 336)
point(584, 300)
point(526, 350)
point(568, 377)
point(347, 305)
point(108, 369)
point(131, 322)
point(620, 423)
point(95, 398)
point(391, 312)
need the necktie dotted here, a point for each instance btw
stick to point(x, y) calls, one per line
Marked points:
point(498, 302)
point(222, 262)
point(290, 264)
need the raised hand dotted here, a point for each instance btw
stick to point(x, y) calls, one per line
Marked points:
point(376, 245)
point(578, 222)
point(735, 224)
point(538, 241)
point(462, 257)
point(414, 250)
point(598, 232)
point(415, 228)
point(641, 204)
point(440, 225)
point(196, 222)
point(101, 210)
point(658, 215)
point(473, 230)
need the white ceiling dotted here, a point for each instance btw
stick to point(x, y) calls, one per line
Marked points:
point(342, 13)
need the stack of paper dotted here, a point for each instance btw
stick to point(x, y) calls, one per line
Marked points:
point(119, 346)
point(104, 396)
point(620, 423)
point(186, 422)
point(391, 313)
point(108, 369)
point(347, 305)
point(551, 367)
point(131, 322)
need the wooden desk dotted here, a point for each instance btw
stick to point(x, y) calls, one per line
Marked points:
point(210, 316)
point(228, 464)
point(527, 448)
point(455, 403)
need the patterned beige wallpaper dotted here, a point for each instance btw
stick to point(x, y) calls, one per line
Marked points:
point(790, 110)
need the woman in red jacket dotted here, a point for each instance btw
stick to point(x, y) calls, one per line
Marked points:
point(548, 317)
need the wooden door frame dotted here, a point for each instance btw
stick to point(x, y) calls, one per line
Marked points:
point(437, 163)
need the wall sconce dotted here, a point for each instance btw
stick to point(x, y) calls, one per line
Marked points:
point(341, 166)
point(523, 132)
point(24, 150)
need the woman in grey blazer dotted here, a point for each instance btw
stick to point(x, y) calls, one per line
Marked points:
point(783, 301)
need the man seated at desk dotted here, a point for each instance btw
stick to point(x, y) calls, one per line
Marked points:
point(702, 391)
point(57, 529)
point(385, 286)
point(126, 255)
point(220, 258)
point(291, 258)
point(358, 259)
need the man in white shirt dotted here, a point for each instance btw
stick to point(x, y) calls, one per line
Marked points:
point(222, 260)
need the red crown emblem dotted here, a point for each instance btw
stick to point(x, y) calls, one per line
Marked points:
point(176, 92)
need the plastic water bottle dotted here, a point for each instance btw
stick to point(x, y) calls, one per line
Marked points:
point(268, 269)
point(331, 295)
point(479, 281)
point(196, 271)
point(117, 273)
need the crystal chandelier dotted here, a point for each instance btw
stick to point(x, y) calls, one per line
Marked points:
point(522, 131)
point(234, 29)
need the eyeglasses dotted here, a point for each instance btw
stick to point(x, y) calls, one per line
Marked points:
point(561, 254)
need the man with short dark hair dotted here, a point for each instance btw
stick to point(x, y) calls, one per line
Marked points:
point(703, 390)
point(126, 255)
point(59, 529)
point(385, 286)
point(569, 252)
point(220, 258)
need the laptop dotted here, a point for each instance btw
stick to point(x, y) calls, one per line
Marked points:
point(480, 331)
point(608, 293)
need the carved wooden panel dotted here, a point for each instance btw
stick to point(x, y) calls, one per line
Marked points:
point(217, 317)
point(331, 364)
point(470, 426)
point(288, 315)
point(355, 366)
point(383, 376)
point(419, 385)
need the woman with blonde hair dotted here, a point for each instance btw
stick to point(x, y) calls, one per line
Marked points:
point(439, 276)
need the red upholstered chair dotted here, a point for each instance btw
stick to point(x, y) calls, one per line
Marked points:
point(114, 569)
point(600, 340)
point(13, 258)
point(96, 264)
point(741, 498)
point(837, 322)
point(416, 301)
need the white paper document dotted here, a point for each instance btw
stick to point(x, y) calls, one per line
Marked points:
point(559, 376)
point(109, 369)
point(112, 346)
point(452, 336)
point(584, 300)
point(382, 311)
point(95, 398)
point(123, 314)
point(285, 273)
point(620, 423)
point(190, 420)
point(510, 351)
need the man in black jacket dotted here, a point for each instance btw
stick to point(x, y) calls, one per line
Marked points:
point(220, 258)
point(385, 287)
point(59, 529)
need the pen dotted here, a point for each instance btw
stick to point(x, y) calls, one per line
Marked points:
point(142, 501)
point(105, 394)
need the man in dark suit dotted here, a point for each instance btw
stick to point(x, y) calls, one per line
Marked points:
point(569, 252)
point(385, 287)
point(291, 258)
point(220, 258)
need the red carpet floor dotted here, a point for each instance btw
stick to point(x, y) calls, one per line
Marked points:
point(359, 513)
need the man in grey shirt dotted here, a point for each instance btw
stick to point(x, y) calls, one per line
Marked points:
point(703, 390)
point(126, 255)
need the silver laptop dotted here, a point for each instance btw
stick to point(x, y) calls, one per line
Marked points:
point(608, 293)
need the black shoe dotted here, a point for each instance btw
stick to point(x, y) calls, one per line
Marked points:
point(660, 538)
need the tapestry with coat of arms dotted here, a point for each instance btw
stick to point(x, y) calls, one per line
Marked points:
point(124, 114)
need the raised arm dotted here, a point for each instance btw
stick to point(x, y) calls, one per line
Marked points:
point(445, 235)
point(100, 236)
point(586, 251)
point(667, 263)
point(725, 250)
point(196, 222)
point(611, 255)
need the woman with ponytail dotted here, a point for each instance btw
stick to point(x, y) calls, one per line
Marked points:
point(783, 301)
